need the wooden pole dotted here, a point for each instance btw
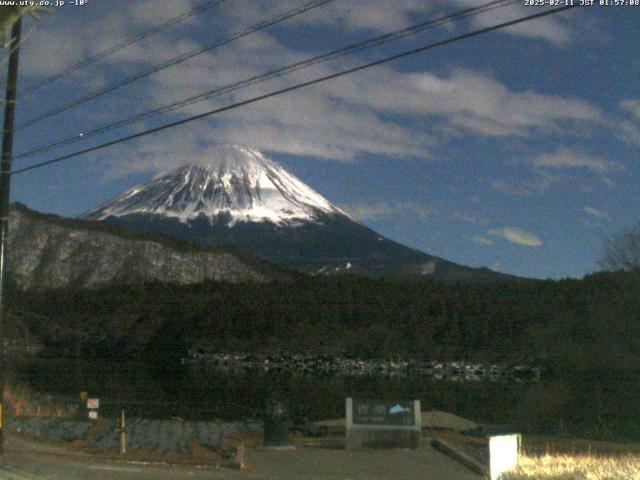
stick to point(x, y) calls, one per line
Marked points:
point(239, 457)
point(5, 192)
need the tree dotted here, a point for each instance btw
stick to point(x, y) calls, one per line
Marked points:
point(10, 15)
point(622, 250)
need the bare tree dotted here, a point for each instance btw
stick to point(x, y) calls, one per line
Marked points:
point(622, 250)
point(9, 15)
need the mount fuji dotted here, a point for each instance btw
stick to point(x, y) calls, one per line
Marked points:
point(241, 197)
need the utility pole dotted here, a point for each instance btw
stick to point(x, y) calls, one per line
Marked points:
point(5, 192)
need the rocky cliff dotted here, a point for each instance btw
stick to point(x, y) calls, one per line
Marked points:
point(46, 251)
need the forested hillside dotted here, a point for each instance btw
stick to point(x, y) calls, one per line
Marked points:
point(581, 325)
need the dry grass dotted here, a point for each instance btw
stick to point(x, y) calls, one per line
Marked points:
point(20, 400)
point(577, 467)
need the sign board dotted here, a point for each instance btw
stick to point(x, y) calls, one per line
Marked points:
point(93, 414)
point(504, 454)
point(383, 423)
point(84, 395)
point(93, 403)
point(383, 412)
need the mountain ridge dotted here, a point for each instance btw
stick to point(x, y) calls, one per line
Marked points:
point(241, 197)
point(47, 251)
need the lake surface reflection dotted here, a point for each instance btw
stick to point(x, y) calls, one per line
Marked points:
point(604, 408)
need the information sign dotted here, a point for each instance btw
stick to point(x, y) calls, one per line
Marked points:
point(383, 423)
point(383, 412)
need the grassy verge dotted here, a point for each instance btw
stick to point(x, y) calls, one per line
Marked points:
point(576, 467)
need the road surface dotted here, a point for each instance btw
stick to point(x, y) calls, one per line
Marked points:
point(26, 460)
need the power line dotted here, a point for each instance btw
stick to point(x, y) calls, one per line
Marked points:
point(235, 36)
point(297, 87)
point(279, 72)
point(273, 74)
point(130, 41)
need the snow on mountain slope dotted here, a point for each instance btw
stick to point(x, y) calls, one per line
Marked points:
point(238, 182)
point(240, 197)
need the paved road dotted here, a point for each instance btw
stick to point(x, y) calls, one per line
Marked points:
point(322, 463)
point(30, 468)
point(23, 462)
point(27, 460)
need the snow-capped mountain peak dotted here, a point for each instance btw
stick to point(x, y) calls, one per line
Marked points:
point(240, 197)
point(238, 182)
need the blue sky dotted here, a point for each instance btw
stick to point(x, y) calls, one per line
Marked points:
point(516, 150)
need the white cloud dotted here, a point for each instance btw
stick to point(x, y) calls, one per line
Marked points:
point(510, 187)
point(79, 39)
point(378, 16)
point(516, 235)
point(356, 116)
point(469, 218)
point(159, 152)
point(629, 132)
point(108, 26)
point(607, 181)
point(375, 112)
point(628, 129)
point(482, 240)
point(374, 211)
point(40, 62)
point(372, 15)
point(564, 158)
point(528, 185)
point(156, 12)
point(473, 101)
point(552, 29)
point(631, 105)
point(596, 212)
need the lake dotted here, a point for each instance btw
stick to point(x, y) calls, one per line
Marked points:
point(606, 408)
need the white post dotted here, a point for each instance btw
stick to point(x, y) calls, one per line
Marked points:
point(123, 440)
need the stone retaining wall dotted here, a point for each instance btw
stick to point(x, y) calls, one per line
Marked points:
point(174, 436)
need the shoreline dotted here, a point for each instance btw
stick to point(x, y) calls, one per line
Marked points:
point(325, 365)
